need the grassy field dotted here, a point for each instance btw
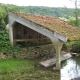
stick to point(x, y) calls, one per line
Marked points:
point(24, 69)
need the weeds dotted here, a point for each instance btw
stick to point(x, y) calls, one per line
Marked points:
point(23, 69)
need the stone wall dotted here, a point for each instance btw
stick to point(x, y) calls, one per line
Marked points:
point(38, 51)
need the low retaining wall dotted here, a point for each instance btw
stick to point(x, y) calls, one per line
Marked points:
point(38, 51)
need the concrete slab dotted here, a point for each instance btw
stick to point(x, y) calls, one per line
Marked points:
point(52, 61)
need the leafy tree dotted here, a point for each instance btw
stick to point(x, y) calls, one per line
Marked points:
point(76, 11)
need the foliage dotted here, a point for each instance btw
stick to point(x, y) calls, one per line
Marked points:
point(4, 12)
point(73, 46)
point(5, 45)
point(63, 18)
point(72, 20)
point(76, 47)
point(67, 45)
point(51, 11)
point(4, 41)
point(76, 11)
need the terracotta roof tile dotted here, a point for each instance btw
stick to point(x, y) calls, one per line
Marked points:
point(55, 24)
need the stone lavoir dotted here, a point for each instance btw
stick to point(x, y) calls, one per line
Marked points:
point(31, 27)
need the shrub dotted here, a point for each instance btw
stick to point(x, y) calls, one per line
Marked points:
point(66, 46)
point(4, 41)
point(76, 47)
point(5, 45)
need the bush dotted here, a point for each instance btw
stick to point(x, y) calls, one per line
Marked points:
point(5, 45)
point(66, 46)
point(76, 47)
point(4, 41)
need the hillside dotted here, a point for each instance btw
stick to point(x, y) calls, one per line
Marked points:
point(52, 11)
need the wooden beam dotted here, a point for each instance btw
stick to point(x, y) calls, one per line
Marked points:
point(20, 40)
point(37, 41)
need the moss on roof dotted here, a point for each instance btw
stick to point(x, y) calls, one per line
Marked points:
point(55, 24)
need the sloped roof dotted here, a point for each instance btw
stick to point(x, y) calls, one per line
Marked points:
point(54, 24)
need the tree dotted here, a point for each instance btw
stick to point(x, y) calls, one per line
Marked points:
point(76, 12)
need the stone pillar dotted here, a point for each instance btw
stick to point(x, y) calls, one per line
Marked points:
point(11, 34)
point(57, 45)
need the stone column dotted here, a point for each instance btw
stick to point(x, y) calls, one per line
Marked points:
point(57, 45)
point(11, 34)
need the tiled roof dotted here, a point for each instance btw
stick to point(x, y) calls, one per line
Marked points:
point(54, 24)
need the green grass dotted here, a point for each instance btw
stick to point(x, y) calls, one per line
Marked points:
point(14, 63)
point(24, 69)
